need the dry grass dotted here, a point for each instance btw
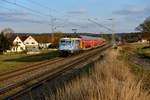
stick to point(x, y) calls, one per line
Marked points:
point(111, 79)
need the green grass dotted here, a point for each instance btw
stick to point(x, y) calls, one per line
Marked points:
point(13, 61)
point(144, 51)
point(133, 46)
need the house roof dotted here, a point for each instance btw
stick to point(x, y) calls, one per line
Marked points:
point(23, 38)
point(12, 38)
point(42, 38)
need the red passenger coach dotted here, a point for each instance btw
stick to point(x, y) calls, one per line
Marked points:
point(87, 43)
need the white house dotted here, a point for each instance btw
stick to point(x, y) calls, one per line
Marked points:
point(30, 42)
point(18, 45)
point(144, 41)
point(37, 41)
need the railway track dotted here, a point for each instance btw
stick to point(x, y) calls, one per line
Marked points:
point(48, 72)
point(27, 69)
point(26, 66)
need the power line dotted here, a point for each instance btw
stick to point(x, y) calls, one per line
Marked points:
point(24, 7)
point(6, 8)
point(25, 20)
point(13, 10)
point(43, 6)
point(100, 25)
point(35, 11)
point(53, 19)
point(40, 5)
point(29, 9)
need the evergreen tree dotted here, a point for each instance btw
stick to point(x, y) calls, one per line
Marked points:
point(4, 43)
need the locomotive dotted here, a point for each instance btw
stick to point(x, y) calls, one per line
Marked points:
point(73, 45)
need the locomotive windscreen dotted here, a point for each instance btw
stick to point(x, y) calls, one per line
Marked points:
point(65, 42)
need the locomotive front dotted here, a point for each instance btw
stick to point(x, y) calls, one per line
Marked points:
point(69, 45)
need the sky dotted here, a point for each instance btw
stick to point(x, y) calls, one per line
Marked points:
point(96, 16)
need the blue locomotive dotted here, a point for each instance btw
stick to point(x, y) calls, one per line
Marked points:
point(69, 45)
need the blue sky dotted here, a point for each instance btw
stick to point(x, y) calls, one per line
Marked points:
point(73, 14)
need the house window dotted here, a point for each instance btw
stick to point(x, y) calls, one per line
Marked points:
point(32, 42)
point(27, 43)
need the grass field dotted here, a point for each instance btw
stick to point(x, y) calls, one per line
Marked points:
point(13, 61)
point(110, 79)
point(133, 46)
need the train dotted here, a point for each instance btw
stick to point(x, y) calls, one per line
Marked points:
point(74, 45)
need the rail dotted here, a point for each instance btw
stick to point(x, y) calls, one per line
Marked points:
point(27, 84)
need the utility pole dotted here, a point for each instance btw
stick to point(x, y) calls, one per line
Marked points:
point(52, 28)
point(52, 19)
point(113, 31)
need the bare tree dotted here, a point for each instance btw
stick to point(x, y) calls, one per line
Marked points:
point(8, 32)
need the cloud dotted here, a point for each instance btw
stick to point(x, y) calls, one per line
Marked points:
point(19, 17)
point(23, 20)
point(131, 16)
point(134, 10)
point(15, 15)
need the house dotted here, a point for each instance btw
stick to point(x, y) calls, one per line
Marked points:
point(144, 41)
point(30, 42)
point(37, 41)
point(18, 45)
point(31, 45)
point(44, 41)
